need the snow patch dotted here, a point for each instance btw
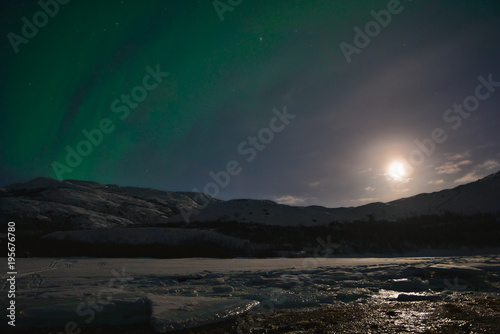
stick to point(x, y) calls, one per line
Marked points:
point(176, 313)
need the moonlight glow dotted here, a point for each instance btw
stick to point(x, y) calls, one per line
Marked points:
point(397, 170)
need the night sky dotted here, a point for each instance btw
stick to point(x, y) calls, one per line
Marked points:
point(170, 91)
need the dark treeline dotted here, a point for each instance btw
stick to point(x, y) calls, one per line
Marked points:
point(449, 231)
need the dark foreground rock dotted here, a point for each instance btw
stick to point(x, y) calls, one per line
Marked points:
point(469, 315)
point(465, 316)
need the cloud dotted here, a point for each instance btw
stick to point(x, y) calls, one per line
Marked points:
point(480, 171)
point(369, 189)
point(360, 201)
point(365, 171)
point(458, 156)
point(465, 162)
point(448, 169)
point(452, 167)
point(467, 178)
point(289, 200)
point(436, 182)
point(490, 165)
point(367, 199)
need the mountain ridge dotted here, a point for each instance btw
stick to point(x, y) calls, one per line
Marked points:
point(75, 204)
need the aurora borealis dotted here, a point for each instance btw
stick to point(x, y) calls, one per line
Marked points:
point(225, 78)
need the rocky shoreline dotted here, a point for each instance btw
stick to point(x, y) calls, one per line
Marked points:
point(467, 315)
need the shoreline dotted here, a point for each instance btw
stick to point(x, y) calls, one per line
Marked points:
point(478, 315)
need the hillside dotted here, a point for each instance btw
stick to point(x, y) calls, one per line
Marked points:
point(80, 218)
point(482, 196)
point(49, 204)
point(52, 205)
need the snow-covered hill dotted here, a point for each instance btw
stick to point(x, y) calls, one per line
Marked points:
point(482, 196)
point(46, 204)
point(50, 204)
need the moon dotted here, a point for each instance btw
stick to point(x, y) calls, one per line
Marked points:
point(397, 170)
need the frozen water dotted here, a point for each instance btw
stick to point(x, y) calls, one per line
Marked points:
point(181, 293)
point(171, 313)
